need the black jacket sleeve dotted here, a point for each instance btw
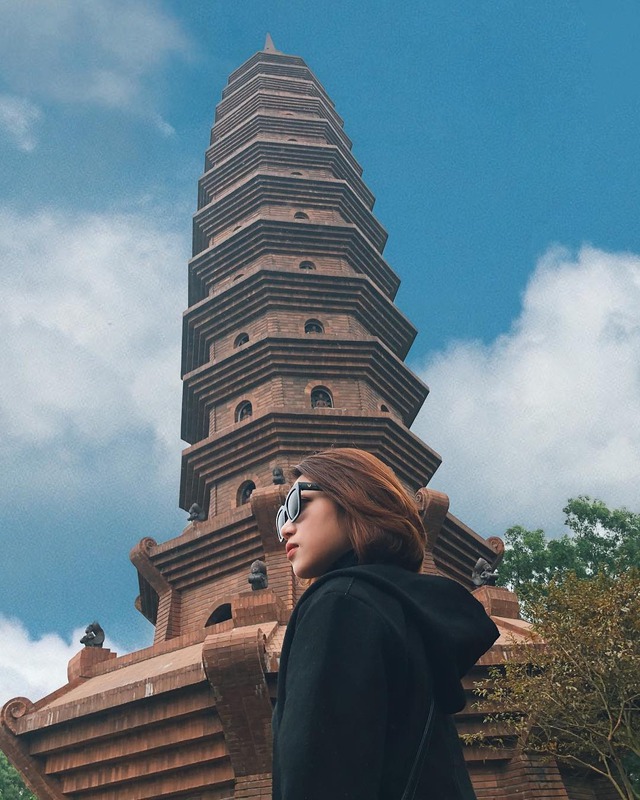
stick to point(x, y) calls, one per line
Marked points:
point(331, 735)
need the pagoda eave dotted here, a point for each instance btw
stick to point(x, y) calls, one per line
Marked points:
point(263, 193)
point(275, 433)
point(279, 63)
point(295, 68)
point(277, 104)
point(267, 153)
point(306, 293)
point(273, 358)
point(304, 86)
point(298, 85)
point(272, 238)
point(303, 127)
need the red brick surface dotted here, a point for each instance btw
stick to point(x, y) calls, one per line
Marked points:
point(84, 662)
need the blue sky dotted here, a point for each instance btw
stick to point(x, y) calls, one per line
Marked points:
point(502, 143)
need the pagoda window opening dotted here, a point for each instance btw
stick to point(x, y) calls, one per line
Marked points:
point(244, 493)
point(307, 265)
point(384, 408)
point(300, 215)
point(221, 614)
point(241, 338)
point(295, 172)
point(244, 411)
point(292, 140)
point(237, 277)
point(321, 397)
point(313, 326)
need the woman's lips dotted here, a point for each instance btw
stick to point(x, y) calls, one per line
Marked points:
point(290, 549)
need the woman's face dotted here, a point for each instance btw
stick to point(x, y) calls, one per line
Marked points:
point(317, 537)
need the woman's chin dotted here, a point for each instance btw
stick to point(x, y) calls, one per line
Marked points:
point(302, 573)
point(305, 572)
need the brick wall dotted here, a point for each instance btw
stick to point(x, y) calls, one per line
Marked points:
point(275, 211)
point(288, 323)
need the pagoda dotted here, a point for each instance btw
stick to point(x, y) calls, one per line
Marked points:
point(291, 344)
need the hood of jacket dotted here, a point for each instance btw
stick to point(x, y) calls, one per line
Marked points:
point(455, 628)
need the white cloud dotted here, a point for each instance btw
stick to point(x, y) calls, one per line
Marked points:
point(18, 118)
point(551, 409)
point(91, 338)
point(33, 667)
point(163, 126)
point(90, 52)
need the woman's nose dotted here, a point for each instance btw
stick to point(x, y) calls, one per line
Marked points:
point(288, 529)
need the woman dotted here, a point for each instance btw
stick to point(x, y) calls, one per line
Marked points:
point(370, 645)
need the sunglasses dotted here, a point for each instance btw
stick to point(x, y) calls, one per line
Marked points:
point(293, 505)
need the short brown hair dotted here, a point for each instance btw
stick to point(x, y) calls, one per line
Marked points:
point(382, 520)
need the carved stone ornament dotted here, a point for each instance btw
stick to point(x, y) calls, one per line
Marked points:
point(143, 548)
point(93, 635)
point(13, 710)
point(258, 576)
point(432, 507)
point(497, 545)
point(482, 574)
point(196, 514)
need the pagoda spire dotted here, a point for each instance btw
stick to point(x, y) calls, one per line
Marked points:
point(269, 46)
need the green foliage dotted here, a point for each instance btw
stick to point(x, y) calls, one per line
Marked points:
point(11, 785)
point(601, 539)
point(577, 697)
point(604, 539)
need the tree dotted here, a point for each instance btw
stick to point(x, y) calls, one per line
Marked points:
point(11, 785)
point(578, 695)
point(600, 539)
point(603, 538)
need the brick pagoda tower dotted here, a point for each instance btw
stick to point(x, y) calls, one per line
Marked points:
point(291, 343)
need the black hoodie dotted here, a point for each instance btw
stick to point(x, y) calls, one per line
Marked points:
point(365, 649)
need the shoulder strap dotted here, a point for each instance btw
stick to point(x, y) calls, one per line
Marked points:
point(416, 769)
